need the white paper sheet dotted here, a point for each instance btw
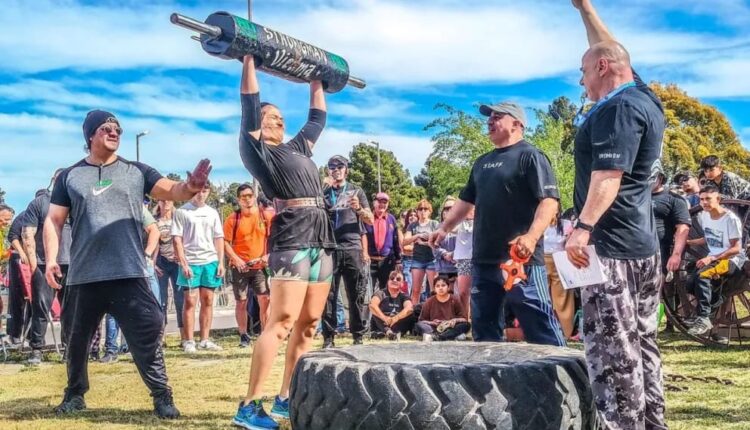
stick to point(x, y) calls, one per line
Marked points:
point(572, 277)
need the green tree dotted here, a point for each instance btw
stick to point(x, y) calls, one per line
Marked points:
point(564, 111)
point(174, 177)
point(395, 178)
point(547, 136)
point(695, 130)
point(458, 140)
point(461, 138)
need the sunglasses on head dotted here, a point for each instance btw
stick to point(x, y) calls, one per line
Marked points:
point(107, 129)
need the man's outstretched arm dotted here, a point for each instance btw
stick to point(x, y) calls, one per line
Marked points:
point(596, 31)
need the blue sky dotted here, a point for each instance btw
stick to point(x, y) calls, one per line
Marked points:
point(63, 58)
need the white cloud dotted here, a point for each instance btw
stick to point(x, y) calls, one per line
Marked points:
point(721, 78)
point(35, 145)
point(156, 97)
point(386, 42)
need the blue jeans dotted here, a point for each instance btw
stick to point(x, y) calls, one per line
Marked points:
point(170, 270)
point(111, 335)
point(529, 300)
point(406, 270)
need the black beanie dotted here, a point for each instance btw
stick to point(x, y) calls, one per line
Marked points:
point(94, 120)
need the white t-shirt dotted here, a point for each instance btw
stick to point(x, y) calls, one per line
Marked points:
point(553, 240)
point(198, 228)
point(464, 238)
point(718, 233)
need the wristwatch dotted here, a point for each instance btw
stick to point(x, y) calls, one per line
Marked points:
point(584, 226)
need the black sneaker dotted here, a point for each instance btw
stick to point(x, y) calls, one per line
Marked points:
point(70, 404)
point(164, 407)
point(716, 337)
point(245, 340)
point(94, 356)
point(328, 343)
point(35, 358)
point(358, 341)
point(109, 357)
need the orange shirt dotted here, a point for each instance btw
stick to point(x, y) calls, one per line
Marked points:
point(252, 233)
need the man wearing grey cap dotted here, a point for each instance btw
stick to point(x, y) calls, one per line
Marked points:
point(515, 194)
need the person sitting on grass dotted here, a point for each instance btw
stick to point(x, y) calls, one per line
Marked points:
point(722, 233)
point(392, 311)
point(442, 316)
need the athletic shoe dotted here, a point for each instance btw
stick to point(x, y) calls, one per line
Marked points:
point(209, 346)
point(328, 343)
point(700, 327)
point(164, 407)
point(390, 334)
point(109, 357)
point(245, 340)
point(461, 337)
point(716, 337)
point(189, 347)
point(35, 358)
point(94, 356)
point(253, 417)
point(427, 338)
point(688, 321)
point(124, 349)
point(70, 404)
point(280, 408)
point(358, 341)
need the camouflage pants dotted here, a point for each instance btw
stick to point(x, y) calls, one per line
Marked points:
point(619, 334)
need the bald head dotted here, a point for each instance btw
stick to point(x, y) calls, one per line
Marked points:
point(604, 67)
point(612, 51)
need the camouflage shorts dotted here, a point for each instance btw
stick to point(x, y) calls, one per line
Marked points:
point(619, 333)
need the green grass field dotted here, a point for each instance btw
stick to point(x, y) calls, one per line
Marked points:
point(208, 386)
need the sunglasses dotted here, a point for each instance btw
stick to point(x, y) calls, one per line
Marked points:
point(336, 167)
point(107, 129)
point(384, 201)
point(396, 278)
point(447, 208)
point(423, 209)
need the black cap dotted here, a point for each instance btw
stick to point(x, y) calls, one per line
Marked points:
point(94, 120)
point(338, 159)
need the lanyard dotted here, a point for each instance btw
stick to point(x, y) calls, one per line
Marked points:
point(581, 117)
point(334, 199)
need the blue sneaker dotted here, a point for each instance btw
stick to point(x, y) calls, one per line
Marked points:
point(253, 417)
point(280, 408)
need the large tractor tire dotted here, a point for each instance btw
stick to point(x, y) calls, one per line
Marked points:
point(442, 385)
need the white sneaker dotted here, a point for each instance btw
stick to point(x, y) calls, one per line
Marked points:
point(209, 346)
point(461, 337)
point(189, 347)
point(426, 338)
